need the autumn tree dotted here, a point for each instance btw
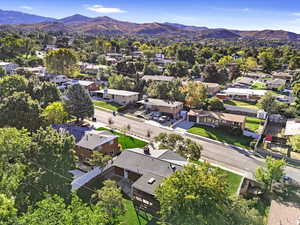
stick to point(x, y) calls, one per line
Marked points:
point(61, 61)
point(195, 94)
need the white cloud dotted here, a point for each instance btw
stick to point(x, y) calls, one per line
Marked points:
point(102, 9)
point(26, 7)
point(296, 14)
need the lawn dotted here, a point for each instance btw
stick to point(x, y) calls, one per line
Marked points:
point(126, 141)
point(131, 217)
point(222, 135)
point(258, 86)
point(251, 105)
point(107, 105)
point(253, 123)
point(233, 179)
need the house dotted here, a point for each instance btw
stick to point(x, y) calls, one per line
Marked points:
point(118, 96)
point(158, 78)
point(38, 71)
point(216, 119)
point(88, 140)
point(212, 88)
point(283, 75)
point(168, 108)
point(258, 75)
point(91, 68)
point(292, 127)
point(58, 79)
point(284, 213)
point(243, 94)
point(275, 84)
point(8, 67)
point(244, 82)
point(139, 172)
point(88, 85)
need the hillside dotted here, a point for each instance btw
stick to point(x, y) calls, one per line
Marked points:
point(107, 25)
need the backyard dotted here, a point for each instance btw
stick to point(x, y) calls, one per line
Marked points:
point(107, 105)
point(126, 141)
point(251, 105)
point(253, 123)
point(221, 134)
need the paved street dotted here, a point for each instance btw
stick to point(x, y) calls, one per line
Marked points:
point(214, 153)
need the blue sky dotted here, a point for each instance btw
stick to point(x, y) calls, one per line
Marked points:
point(233, 14)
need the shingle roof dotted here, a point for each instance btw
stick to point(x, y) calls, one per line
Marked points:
point(147, 166)
point(160, 102)
point(219, 115)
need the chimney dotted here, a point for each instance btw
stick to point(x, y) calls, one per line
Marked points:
point(146, 150)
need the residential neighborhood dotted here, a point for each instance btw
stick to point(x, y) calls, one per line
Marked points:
point(110, 122)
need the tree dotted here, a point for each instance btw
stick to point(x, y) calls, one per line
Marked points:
point(234, 71)
point(267, 60)
point(120, 82)
point(61, 61)
point(151, 69)
point(8, 213)
point(294, 63)
point(11, 84)
point(272, 170)
point(53, 209)
point(194, 195)
point(215, 104)
point(21, 111)
point(77, 102)
point(110, 200)
point(45, 93)
point(268, 103)
point(55, 113)
point(184, 147)
point(51, 157)
point(185, 54)
point(195, 93)
point(98, 159)
point(178, 69)
point(2, 72)
point(213, 75)
point(294, 141)
point(225, 61)
point(195, 71)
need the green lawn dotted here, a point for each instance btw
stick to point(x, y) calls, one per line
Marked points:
point(258, 86)
point(132, 218)
point(253, 123)
point(107, 105)
point(126, 141)
point(251, 105)
point(222, 135)
point(233, 179)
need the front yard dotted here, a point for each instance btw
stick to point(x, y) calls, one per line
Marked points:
point(107, 105)
point(251, 105)
point(221, 134)
point(126, 141)
point(253, 123)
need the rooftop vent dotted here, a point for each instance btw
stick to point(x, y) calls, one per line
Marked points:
point(146, 150)
point(173, 167)
point(151, 180)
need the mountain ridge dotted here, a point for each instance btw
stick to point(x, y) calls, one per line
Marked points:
point(108, 25)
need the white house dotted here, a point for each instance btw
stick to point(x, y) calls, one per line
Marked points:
point(59, 79)
point(8, 67)
point(119, 96)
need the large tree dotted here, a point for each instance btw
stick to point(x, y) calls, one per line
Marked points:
point(120, 82)
point(110, 201)
point(195, 94)
point(20, 110)
point(11, 84)
point(175, 142)
point(55, 113)
point(78, 102)
point(268, 103)
point(272, 170)
point(61, 61)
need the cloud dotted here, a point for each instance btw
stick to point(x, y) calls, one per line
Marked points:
point(296, 14)
point(26, 7)
point(102, 9)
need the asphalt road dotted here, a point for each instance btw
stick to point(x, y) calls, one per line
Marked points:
point(221, 155)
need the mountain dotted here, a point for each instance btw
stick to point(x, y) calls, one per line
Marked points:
point(77, 18)
point(14, 17)
point(107, 25)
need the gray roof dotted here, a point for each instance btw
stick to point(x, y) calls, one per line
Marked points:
point(148, 166)
point(160, 102)
point(157, 78)
point(93, 139)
